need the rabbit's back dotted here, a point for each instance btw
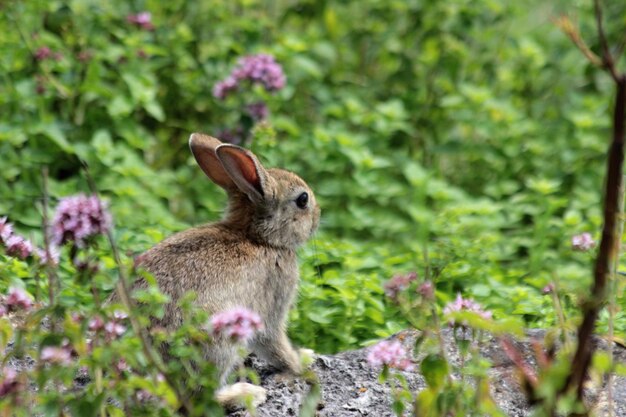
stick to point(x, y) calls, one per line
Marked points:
point(225, 269)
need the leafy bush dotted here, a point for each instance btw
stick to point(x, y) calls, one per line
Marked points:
point(462, 140)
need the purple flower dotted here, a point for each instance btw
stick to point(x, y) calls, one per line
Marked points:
point(461, 304)
point(583, 242)
point(84, 56)
point(258, 69)
point(78, 218)
point(19, 247)
point(548, 289)
point(18, 299)
point(258, 111)
point(55, 255)
point(223, 88)
point(238, 324)
point(6, 229)
point(142, 19)
point(96, 324)
point(143, 395)
point(121, 365)
point(113, 329)
point(398, 283)
point(236, 135)
point(120, 315)
point(43, 53)
point(10, 383)
point(56, 355)
point(427, 290)
point(390, 353)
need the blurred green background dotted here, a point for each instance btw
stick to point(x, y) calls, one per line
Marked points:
point(463, 139)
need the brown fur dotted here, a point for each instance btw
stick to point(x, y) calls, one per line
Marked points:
point(248, 259)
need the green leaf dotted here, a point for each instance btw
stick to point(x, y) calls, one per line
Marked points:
point(434, 368)
point(86, 406)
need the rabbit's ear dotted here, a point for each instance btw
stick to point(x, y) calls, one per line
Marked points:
point(203, 149)
point(244, 169)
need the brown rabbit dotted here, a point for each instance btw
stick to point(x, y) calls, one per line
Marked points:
point(248, 259)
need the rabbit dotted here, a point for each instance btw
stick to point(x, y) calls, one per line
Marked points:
point(247, 259)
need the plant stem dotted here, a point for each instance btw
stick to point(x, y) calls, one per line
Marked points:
point(607, 252)
point(613, 293)
point(52, 277)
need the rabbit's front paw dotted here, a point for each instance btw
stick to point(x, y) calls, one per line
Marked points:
point(307, 357)
point(241, 394)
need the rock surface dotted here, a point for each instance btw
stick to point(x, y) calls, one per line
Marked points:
point(350, 387)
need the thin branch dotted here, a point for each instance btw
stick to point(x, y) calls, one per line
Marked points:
point(568, 28)
point(613, 294)
point(50, 268)
point(607, 252)
point(607, 57)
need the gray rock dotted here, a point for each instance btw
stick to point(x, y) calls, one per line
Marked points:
point(351, 388)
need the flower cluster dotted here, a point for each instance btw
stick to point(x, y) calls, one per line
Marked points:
point(259, 69)
point(10, 383)
point(142, 20)
point(112, 328)
point(257, 111)
point(238, 324)
point(548, 289)
point(427, 290)
point(462, 304)
point(79, 217)
point(57, 355)
point(390, 353)
point(21, 247)
point(16, 245)
point(16, 300)
point(44, 53)
point(583, 242)
point(398, 284)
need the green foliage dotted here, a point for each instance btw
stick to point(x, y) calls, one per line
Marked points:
point(464, 140)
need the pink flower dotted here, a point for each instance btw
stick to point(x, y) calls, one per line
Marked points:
point(223, 88)
point(398, 284)
point(258, 69)
point(18, 299)
point(56, 355)
point(6, 229)
point(548, 289)
point(583, 242)
point(84, 56)
point(55, 255)
point(427, 290)
point(390, 353)
point(96, 324)
point(257, 111)
point(143, 395)
point(114, 330)
point(238, 324)
point(120, 315)
point(142, 19)
point(10, 383)
point(78, 218)
point(121, 365)
point(43, 53)
point(236, 135)
point(461, 304)
point(19, 247)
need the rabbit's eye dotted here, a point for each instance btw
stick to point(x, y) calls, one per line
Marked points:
point(302, 200)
